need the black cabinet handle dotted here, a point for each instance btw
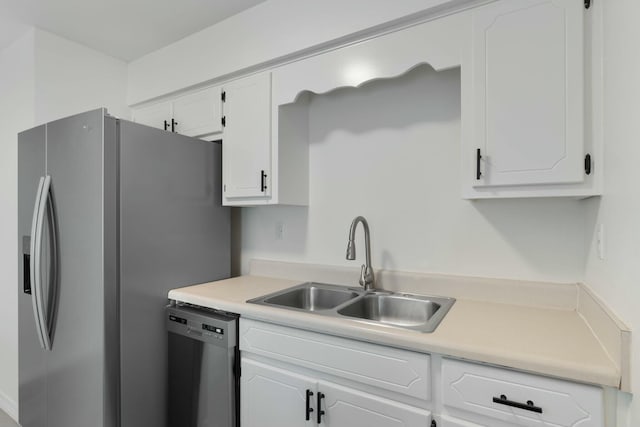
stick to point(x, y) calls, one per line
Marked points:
point(166, 125)
point(263, 181)
point(478, 158)
point(308, 408)
point(173, 125)
point(587, 164)
point(529, 406)
point(320, 411)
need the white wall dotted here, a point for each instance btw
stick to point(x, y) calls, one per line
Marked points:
point(617, 278)
point(16, 113)
point(71, 78)
point(391, 151)
point(270, 30)
point(42, 77)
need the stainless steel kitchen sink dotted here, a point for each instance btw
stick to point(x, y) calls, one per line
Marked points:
point(407, 311)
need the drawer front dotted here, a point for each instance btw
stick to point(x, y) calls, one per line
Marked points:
point(500, 394)
point(392, 369)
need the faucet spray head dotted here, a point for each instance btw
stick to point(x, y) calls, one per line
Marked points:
point(351, 250)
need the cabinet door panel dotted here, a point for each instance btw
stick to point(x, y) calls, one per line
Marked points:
point(199, 113)
point(272, 397)
point(246, 145)
point(154, 115)
point(346, 407)
point(528, 88)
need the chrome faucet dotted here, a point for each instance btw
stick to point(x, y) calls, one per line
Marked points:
point(367, 280)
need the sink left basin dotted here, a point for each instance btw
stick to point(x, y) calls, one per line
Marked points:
point(309, 296)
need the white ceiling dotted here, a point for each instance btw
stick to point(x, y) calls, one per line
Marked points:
point(125, 29)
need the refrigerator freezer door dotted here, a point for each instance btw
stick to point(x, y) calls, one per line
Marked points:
point(173, 232)
point(32, 358)
point(75, 365)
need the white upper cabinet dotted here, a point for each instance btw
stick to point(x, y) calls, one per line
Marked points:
point(246, 143)
point(156, 115)
point(525, 114)
point(265, 147)
point(197, 114)
point(531, 117)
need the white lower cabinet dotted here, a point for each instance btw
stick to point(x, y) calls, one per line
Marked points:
point(274, 397)
point(290, 374)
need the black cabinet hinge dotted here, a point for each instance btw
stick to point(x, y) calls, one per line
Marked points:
point(587, 164)
point(224, 121)
point(223, 96)
point(587, 4)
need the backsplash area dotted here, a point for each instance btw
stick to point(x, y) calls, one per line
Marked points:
point(390, 151)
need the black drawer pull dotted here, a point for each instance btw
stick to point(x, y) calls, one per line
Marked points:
point(478, 158)
point(529, 406)
point(309, 408)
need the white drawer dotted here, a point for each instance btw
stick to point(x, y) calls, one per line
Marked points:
point(473, 388)
point(392, 369)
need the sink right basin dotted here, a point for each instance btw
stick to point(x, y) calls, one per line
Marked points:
point(399, 310)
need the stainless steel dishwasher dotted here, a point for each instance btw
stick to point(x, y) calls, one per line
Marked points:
point(204, 367)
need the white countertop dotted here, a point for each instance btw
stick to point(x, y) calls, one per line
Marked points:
point(548, 341)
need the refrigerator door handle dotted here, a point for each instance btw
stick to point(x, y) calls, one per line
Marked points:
point(52, 298)
point(36, 261)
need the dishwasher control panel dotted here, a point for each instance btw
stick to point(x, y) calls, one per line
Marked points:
point(203, 324)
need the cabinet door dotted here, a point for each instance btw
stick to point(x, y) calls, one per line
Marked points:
point(345, 407)
point(199, 114)
point(528, 83)
point(246, 144)
point(155, 115)
point(272, 397)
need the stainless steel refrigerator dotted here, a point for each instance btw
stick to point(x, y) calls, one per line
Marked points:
point(112, 214)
